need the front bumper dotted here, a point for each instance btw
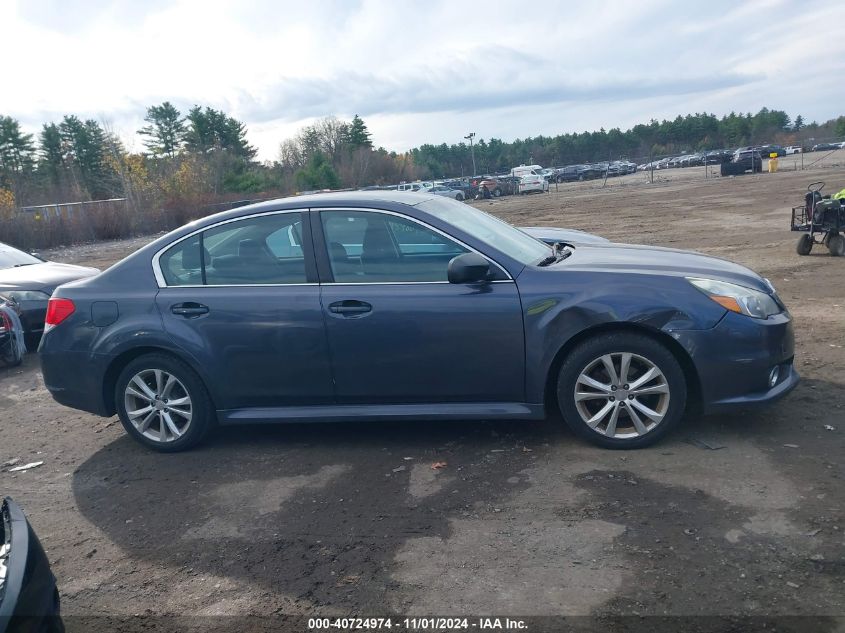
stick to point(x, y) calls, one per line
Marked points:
point(735, 361)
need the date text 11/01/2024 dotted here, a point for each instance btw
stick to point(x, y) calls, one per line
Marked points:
point(418, 624)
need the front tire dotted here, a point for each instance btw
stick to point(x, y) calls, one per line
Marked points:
point(804, 245)
point(621, 390)
point(163, 403)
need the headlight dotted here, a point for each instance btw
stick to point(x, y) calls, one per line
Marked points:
point(26, 295)
point(736, 298)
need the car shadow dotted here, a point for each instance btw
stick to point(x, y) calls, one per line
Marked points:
point(316, 512)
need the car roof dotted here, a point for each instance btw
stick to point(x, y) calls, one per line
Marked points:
point(334, 199)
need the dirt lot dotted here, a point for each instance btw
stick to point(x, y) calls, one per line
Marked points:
point(523, 520)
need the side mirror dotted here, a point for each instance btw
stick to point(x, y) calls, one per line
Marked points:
point(468, 268)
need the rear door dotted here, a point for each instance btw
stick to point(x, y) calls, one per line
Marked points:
point(242, 298)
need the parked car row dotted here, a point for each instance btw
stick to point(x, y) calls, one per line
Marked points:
point(827, 147)
point(495, 185)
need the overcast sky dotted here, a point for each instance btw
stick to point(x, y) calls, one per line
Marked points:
point(421, 72)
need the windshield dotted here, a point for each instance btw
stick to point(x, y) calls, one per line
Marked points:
point(486, 228)
point(11, 257)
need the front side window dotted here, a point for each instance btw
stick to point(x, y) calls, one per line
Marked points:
point(263, 250)
point(372, 247)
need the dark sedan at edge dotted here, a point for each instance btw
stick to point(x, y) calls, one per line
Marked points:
point(378, 305)
point(30, 281)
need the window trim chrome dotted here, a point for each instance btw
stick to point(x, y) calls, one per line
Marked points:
point(162, 284)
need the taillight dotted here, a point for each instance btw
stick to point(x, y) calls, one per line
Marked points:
point(57, 311)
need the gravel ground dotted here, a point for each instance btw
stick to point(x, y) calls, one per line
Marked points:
point(523, 518)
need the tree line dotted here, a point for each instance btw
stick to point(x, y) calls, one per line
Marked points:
point(655, 139)
point(203, 156)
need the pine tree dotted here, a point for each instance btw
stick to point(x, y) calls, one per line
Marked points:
point(17, 153)
point(798, 124)
point(359, 135)
point(165, 131)
point(84, 146)
point(209, 129)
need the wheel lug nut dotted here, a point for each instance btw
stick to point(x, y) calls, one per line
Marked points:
point(630, 397)
point(612, 398)
point(613, 388)
point(624, 386)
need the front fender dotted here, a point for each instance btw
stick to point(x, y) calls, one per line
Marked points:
point(575, 302)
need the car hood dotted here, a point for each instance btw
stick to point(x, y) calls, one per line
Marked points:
point(654, 260)
point(44, 277)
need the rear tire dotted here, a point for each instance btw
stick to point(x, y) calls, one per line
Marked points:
point(804, 245)
point(459, 197)
point(171, 416)
point(836, 245)
point(633, 411)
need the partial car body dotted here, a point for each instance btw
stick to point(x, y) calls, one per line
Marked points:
point(533, 182)
point(442, 190)
point(29, 599)
point(12, 343)
point(30, 281)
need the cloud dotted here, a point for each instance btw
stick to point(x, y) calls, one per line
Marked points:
point(369, 94)
point(420, 73)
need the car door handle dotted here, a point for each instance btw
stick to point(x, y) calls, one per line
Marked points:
point(189, 310)
point(350, 307)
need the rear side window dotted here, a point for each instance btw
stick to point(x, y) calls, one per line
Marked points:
point(180, 265)
point(263, 250)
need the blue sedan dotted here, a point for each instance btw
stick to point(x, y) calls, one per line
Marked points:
point(386, 305)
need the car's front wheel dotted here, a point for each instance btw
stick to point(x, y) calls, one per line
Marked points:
point(162, 403)
point(621, 390)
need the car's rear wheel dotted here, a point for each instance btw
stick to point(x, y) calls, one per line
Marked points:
point(162, 403)
point(621, 390)
point(836, 245)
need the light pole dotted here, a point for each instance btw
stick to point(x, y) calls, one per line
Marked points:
point(470, 136)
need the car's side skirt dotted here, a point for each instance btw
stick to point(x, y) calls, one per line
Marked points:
point(364, 412)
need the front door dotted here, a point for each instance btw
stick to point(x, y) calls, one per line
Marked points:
point(398, 331)
point(241, 297)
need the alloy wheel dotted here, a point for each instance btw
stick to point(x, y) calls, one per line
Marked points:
point(622, 395)
point(158, 405)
